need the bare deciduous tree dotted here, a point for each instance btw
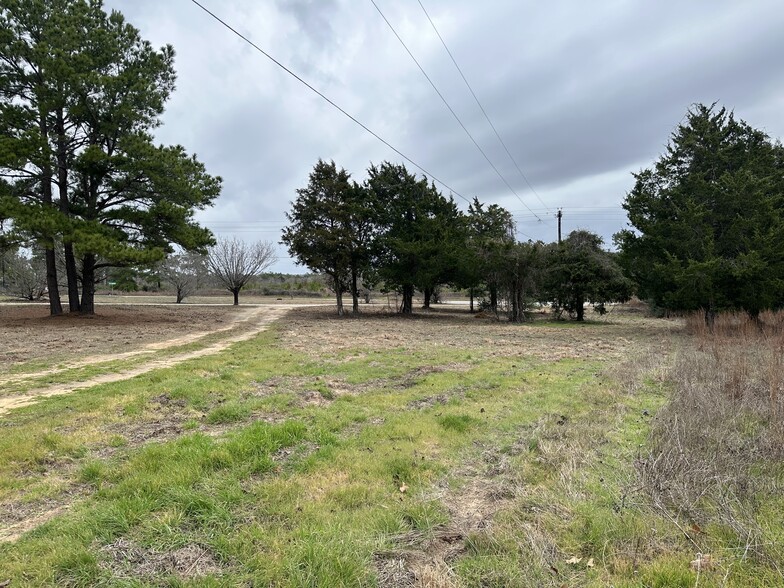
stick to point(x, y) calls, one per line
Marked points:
point(234, 263)
point(184, 272)
point(25, 277)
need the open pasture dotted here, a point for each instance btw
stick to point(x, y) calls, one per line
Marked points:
point(433, 450)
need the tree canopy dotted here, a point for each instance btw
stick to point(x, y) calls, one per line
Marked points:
point(578, 270)
point(80, 93)
point(332, 228)
point(420, 232)
point(400, 230)
point(707, 230)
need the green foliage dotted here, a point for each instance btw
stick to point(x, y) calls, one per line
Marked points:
point(491, 241)
point(579, 271)
point(460, 423)
point(331, 228)
point(421, 232)
point(524, 280)
point(81, 93)
point(227, 413)
point(707, 226)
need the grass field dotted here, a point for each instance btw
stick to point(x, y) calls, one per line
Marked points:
point(438, 450)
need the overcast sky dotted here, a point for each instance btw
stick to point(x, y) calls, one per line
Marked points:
point(583, 94)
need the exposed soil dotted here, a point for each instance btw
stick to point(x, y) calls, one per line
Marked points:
point(258, 319)
point(422, 560)
point(20, 518)
point(126, 559)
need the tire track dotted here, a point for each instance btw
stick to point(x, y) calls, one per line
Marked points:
point(264, 317)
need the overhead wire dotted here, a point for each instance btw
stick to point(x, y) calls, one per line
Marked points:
point(484, 112)
point(357, 121)
point(449, 107)
point(327, 99)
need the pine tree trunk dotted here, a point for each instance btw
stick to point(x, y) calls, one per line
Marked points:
point(88, 285)
point(71, 273)
point(471, 293)
point(55, 306)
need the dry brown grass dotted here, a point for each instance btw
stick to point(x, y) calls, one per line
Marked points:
point(717, 449)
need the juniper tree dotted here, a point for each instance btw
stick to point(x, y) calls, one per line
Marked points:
point(707, 219)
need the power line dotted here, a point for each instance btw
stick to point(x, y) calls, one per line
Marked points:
point(454, 114)
point(478, 103)
point(328, 100)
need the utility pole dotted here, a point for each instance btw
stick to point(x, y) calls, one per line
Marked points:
point(559, 216)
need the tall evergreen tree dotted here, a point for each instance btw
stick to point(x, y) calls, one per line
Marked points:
point(81, 92)
point(330, 229)
point(707, 220)
point(418, 228)
point(491, 241)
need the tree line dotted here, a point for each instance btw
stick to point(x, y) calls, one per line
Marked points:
point(705, 232)
point(229, 264)
point(81, 179)
point(398, 231)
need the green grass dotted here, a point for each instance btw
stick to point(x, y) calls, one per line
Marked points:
point(281, 491)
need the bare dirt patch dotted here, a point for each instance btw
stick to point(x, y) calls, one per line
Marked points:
point(126, 559)
point(20, 517)
point(423, 559)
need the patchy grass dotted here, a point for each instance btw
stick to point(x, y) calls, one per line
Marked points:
point(438, 451)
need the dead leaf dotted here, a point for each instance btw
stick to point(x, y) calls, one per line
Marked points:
point(589, 563)
point(574, 560)
point(403, 488)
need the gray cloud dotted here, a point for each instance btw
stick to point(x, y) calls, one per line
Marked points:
point(583, 94)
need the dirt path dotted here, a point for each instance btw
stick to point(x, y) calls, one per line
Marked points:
point(13, 532)
point(247, 316)
point(260, 318)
